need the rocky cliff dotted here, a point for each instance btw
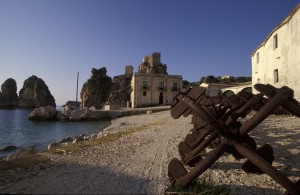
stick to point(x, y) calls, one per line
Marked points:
point(121, 90)
point(35, 93)
point(96, 90)
point(8, 94)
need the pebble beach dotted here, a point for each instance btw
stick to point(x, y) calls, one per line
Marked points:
point(137, 162)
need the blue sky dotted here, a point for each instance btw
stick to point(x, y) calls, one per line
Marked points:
point(55, 39)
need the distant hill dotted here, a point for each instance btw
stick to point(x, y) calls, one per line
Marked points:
point(219, 79)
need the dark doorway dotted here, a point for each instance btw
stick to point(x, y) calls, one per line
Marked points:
point(161, 98)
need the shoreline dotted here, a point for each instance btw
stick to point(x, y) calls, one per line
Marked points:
point(136, 162)
point(105, 115)
point(17, 130)
point(43, 147)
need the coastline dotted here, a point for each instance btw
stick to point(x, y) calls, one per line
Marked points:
point(136, 162)
point(101, 115)
point(17, 130)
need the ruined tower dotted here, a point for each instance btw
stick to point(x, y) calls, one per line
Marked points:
point(154, 59)
point(128, 70)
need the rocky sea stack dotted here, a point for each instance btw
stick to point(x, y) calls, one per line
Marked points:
point(96, 90)
point(8, 94)
point(34, 94)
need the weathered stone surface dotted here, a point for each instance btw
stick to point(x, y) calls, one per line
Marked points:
point(94, 136)
point(21, 153)
point(121, 89)
point(72, 113)
point(146, 68)
point(35, 93)
point(54, 145)
point(70, 140)
point(8, 94)
point(78, 139)
point(93, 108)
point(8, 148)
point(71, 103)
point(43, 113)
point(161, 69)
point(96, 90)
point(67, 139)
point(93, 113)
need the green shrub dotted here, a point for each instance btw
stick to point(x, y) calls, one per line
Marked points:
point(202, 186)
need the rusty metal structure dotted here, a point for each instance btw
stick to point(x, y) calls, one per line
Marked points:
point(218, 124)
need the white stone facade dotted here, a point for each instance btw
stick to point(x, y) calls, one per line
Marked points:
point(216, 89)
point(276, 60)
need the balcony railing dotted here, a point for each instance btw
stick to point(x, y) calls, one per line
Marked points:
point(160, 88)
point(145, 87)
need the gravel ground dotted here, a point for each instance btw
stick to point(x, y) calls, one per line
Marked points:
point(137, 163)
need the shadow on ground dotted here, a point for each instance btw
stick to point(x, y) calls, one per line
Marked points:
point(78, 179)
point(283, 134)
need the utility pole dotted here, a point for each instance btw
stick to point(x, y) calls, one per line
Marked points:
point(77, 86)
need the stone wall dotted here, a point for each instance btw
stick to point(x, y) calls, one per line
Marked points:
point(279, 64)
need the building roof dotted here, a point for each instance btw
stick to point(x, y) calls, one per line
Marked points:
point(283, 22)
point(226, 84)
point(138, 74)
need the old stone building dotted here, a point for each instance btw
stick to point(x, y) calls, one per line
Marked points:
point(151, 85)
point(276, 60)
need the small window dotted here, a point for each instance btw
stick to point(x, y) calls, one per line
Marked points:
point(258, 80)
point(276, 79)
point(144, 93)
point(174, 87)
point(145, 84)
point(161, 85)
point(275, 41)
point(257, 57)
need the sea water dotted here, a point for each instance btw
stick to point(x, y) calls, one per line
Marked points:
point(17, 130)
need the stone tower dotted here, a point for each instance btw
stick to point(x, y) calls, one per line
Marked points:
point(154, 59)
point(128, 70)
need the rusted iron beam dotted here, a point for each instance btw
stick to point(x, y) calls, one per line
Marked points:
point(192, 137)
point(178, 108)
point(282, 95)
point(175, 171)
point(204, 132)
point(188, 160)
point(242, 111)
point(204, 113)
point(216, 123)
point(268, 90)
point(266, 152)
point(203, 165)
point(263, 165)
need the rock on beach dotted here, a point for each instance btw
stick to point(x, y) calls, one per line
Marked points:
point(21, 153)
point(43, 113)
point(8, 148)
